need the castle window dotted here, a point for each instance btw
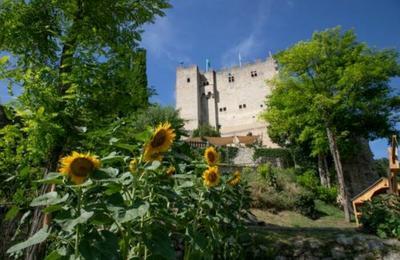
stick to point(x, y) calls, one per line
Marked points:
point(231, 78)
point(240, 106)
point(224, 108)
point(188, 80)
point(261, 105)
point(220, 110)
point(253, 73)
point(244, 105)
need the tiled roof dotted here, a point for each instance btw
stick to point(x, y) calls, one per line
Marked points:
point(221, 141)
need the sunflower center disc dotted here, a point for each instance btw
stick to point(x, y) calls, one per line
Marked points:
point(211, 157)
point(159, 138)
point(212, 177)
point(81, 167)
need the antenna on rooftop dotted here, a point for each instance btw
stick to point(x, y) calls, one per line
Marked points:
point(207, 65)
point(240, 60)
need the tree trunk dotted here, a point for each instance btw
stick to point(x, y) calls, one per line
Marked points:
point(37, 251)
point(325, 161)
point(358, 167)
point(339, 170)
point(323, 171)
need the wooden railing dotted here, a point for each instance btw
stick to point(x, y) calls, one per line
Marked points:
point(394, 167)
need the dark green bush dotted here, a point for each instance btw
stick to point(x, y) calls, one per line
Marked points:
point(381, 216)
point(326, 194)
point(310, 181)
point(228, 153)
point(305, 205)
point(276, 190)
point(271, 154)
point(268, 173)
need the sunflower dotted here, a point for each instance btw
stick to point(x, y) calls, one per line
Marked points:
point(133, 165)
point(149, 156)
point(162, 139)
point(211, 156)
point(211, 176)
point(79, 166)
point(235, 179)
point(171, 170)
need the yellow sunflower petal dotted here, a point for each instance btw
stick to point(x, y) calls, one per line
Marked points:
point(79, 166)
point(171, 171)
point(162, 139)
point(150, 156)
point(211, 176)
point(235, 179)
point(211, 156)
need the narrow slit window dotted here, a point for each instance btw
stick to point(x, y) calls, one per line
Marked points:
point(188, 80)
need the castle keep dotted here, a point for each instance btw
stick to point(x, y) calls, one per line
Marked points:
point(230, 100)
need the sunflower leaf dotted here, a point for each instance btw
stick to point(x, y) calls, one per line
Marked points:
point(51, 178)
point(132, 214)
point(154, 165)
point(186, 184)
point(113, 156)
point(50, 198)
point(37, 238)
point(83, 218)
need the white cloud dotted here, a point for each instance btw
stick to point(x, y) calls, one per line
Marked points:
point(161, 40)
point(250, 44)
point(246, 47)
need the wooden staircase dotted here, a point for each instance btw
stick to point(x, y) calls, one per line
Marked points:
point(383, 185)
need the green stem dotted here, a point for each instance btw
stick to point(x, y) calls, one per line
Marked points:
point(79, 194)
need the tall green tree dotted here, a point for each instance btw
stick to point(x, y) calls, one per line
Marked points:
point(329, 90)
point(79, 67)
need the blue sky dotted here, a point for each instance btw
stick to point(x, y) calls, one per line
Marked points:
point(194, 30)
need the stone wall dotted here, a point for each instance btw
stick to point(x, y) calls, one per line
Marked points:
point(230, 99)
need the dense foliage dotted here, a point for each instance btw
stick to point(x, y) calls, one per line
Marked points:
point(205, 130)
point(277, 189)
point(331, 90)
point(78, 68)
point(309, 180)
point(381, 216)
point(131, 207)
point(271, 154)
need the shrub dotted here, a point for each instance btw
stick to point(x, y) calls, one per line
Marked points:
point(309, 180)
point(271, 154)
point(326, 194)
point(228, 153)
point(268, 173)
point(381, 216)
point(276, 189)
point(305, 205)
point(206, 130)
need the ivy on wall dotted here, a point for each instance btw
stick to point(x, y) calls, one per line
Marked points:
point(271, 154)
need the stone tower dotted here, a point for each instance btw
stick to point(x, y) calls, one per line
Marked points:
point(230, 100)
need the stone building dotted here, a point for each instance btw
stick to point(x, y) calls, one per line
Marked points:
point(230, 100)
